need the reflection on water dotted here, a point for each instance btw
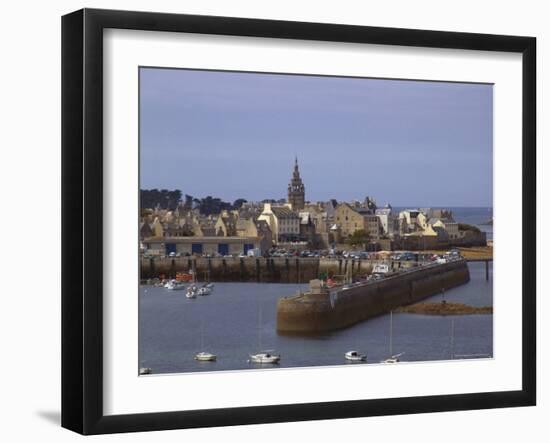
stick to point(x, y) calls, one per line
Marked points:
point(170, 329)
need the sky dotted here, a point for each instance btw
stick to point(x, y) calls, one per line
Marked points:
point(235, 135)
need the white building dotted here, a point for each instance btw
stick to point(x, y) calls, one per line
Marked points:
point(283, 222)
point(389, 222)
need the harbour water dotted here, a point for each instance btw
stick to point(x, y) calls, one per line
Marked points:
point(238, 319)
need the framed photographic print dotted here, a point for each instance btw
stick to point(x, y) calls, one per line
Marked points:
point(268, 221)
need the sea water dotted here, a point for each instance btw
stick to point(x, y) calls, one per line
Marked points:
point(239, 319)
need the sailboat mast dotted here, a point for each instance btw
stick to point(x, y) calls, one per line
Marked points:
point(202, 335)
point(260, 326)
point(452, 338)
point(391, 333)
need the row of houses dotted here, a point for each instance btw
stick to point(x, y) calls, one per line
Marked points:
point(296, 223)
point(317, 225)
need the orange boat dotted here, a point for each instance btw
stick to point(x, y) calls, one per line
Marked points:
point(184, 277)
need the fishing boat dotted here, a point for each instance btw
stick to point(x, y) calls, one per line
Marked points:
point(185, 276)
point(266, 356)
point(394, 358)
point(355, 356)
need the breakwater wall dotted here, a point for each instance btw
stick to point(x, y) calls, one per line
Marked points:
point(257, 269)
point(323, 311)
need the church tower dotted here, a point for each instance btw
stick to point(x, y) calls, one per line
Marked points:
point(296, 190)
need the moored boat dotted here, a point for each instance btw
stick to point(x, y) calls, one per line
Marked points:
point(205, 290)
point(355, 356)
point(205, 356)
point(174, 285)
point(191, 292)
point(392, 359)
point(265, 357)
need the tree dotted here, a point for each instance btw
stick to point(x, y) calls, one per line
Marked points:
point(237, 204)
point(359, 237)
point(188, 202)
point(467, 227)
point(165, 199)
point(212, 205)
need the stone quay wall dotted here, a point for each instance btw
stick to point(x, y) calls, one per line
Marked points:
point(257, 269)
point(319, 312)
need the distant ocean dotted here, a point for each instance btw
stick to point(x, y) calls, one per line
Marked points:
point(470, 215)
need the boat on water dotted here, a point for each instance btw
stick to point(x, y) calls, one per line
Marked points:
point(204, 290)
point(191, 292)
point(267, 356)
point(355, 356)
point(145, 371)
point(205, 356)
point(185, 276)
point(174, 285)
point(394, 358)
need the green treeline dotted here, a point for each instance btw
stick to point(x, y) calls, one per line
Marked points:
point(171, 199)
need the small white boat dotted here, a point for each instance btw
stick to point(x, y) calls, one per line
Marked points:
point(355, 356)
point(204, 291)
point(205, 356)
point(392, 359)
point(174, 285)
point(210, 285)
point(268, 356)
point(145, 371)
point(264, 357)
point(191, 292)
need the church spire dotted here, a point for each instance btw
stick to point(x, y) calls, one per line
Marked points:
point(296, 189)
point(296, 174)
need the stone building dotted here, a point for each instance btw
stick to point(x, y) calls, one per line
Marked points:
point(296, 190)
point(350, 219)
point(283, 222)
point(449, 225)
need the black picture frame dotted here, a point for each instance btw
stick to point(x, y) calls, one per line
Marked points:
point(82, 218)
